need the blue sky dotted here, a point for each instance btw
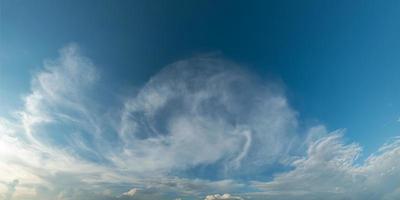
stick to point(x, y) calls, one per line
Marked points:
point(184, 99)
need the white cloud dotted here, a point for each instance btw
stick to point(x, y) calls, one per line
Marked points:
point(202, 111)
point(131, 192)
point(192, 113)
point(59, 96)
point(38, 142)
point(224, 196)
point(329, 171)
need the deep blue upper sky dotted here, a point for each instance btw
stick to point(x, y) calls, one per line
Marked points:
point(339, 60)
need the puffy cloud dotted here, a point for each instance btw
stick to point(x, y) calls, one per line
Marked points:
point(146, 194)
point(131, 192)
point(224, 196)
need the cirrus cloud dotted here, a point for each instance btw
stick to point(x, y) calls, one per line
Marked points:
point(195, 128)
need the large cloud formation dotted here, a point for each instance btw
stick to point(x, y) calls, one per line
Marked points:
point(198, 127)
point(202, 111)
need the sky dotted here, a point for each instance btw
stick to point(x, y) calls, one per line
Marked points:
point(133, 100)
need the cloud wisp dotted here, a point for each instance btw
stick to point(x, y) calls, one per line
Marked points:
point(200, 127)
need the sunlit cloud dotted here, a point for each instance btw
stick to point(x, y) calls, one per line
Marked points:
point(224, 196)
point(329, 171)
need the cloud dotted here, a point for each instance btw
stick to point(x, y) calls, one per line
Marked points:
point(200, 126)
point(204, 111)
point(131, 192)
point(329, 171)
point(200, 111)
point(11, 187)
point(46, 137)
point(60, 103)
point(182, 188)
point(146, 194)
point(224, 196)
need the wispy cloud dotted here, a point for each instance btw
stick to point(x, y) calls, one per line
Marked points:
point(329, 171)
point(204, 110)
point(199, 113)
